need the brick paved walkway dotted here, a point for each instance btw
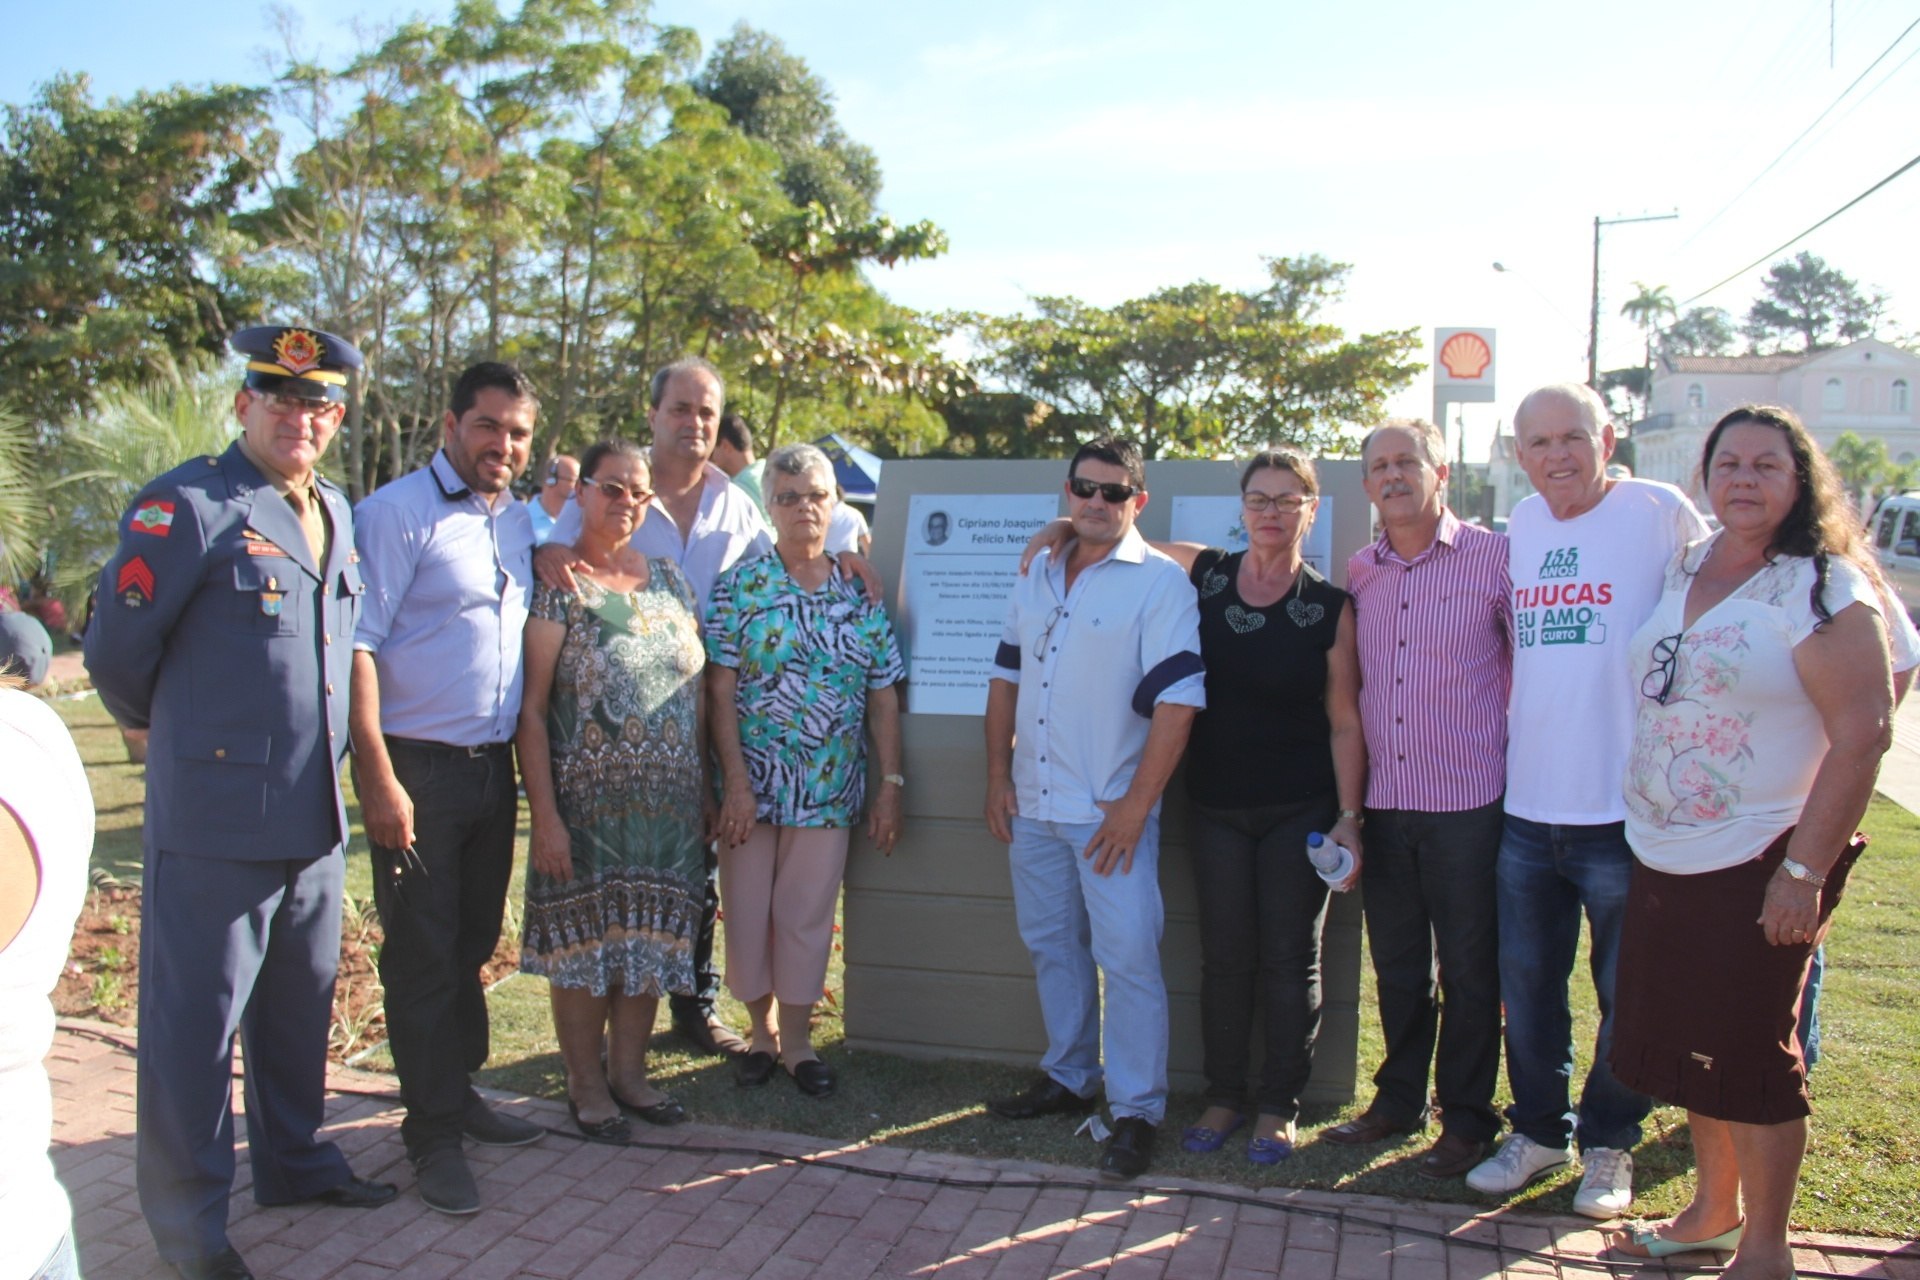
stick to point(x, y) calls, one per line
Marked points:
point(687, 1207)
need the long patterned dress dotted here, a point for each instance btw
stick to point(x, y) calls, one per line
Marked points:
point(627, 778)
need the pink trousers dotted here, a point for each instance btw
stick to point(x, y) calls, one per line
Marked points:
point(778, 892)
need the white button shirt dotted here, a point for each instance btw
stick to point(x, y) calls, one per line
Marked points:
point(1091, 665)
point(726, 527)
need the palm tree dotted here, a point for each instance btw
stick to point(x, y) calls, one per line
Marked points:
point(1647, 308)
point(23, 503)
point(1862, 464)
point(130, 435)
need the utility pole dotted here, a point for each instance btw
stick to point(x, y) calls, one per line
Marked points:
point(1593, 319)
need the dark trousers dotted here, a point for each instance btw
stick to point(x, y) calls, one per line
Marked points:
point(226, 947)
point(1262, 908)
point(698, 1007)
point(440, 909)
point(1429, 885)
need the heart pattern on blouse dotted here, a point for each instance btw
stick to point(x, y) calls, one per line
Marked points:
point(1304, 614)
point(1243, 620)
point(1213, 584)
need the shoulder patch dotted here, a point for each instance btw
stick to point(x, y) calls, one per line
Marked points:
point(135, 583)
point(155, 517)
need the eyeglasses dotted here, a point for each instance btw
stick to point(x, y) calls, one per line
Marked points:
point(794, 497)
point(1291, 504)
point(1114, 493)
point(613, 491)
point(1046, 632)
point(1658, 683)
point(286, 406)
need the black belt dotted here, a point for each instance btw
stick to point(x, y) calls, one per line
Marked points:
point(447, 748)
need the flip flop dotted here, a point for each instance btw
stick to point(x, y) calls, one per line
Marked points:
point(1659, 1246)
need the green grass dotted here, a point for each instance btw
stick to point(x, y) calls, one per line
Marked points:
point(1862, 1174)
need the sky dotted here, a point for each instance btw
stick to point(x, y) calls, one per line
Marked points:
point(1108, 149)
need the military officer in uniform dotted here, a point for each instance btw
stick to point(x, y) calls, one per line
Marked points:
point(224, 624)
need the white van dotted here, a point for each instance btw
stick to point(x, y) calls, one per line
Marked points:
point(1896, 540)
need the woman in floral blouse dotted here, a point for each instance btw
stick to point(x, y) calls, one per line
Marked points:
point(612, 750)
point(800, 666)
point(1765, 705)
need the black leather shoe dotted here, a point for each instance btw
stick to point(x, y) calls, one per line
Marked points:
point(1044, 1097)
point(752, 1070)
point(445, 1182)
point(813, 1078)
point(357, 1193)
point(490, 1128)
point(1129, 1150)
point(224, 1265)
point(710, 1035)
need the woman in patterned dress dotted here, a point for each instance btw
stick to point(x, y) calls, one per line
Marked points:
point(800, 663)
point(612, 751)
point(1766, 701)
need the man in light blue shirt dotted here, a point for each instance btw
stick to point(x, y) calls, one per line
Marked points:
point(1094, 689)
point(545, 506)
point(447, 554)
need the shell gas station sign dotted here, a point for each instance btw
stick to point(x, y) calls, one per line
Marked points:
point(1463, 364)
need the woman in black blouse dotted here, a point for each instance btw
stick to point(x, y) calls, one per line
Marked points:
point(1277, 754)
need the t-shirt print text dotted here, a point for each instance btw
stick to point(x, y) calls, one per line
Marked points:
point(1559, 608)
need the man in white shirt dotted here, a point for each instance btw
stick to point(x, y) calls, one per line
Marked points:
point(1099, 673)
point(847, 529)
point(1588, 558)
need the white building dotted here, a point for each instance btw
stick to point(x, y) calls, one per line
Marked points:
point(1866, 387)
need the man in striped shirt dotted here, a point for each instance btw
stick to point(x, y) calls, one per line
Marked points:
point(1432, 602)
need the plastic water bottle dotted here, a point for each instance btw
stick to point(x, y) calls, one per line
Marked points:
point(1333, 861)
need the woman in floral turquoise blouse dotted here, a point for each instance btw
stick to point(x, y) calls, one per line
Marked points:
point(801, 666)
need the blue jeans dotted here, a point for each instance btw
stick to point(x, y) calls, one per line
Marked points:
point(1545, 877)
point(1072, 920)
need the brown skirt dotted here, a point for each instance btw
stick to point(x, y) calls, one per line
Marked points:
point(1705, 1009)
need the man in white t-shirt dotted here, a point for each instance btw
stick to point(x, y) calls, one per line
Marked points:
point(1588, 558)
point(847, 529)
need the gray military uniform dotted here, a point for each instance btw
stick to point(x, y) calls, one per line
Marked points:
point(215, 628)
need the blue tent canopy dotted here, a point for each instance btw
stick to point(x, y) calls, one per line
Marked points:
point(856, 470)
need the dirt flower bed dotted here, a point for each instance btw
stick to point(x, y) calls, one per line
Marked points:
point(102, 977)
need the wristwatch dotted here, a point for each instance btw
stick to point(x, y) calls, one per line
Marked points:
point(897, 779)
point(1803, 873)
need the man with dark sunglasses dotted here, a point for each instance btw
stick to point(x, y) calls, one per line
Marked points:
point(1094, 690)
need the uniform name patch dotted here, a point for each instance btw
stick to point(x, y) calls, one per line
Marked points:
point(263, 549)
point(154, 517)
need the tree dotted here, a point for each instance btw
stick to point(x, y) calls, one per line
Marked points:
point(136, 431)
point(1198, 370)
point(1807, 301)
point(1648, 307)
point(115, 245)
point(23, 503)
point(774, 96)
point(1702, 331)
point(1862, 464)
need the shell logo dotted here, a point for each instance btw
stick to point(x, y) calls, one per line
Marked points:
point(1466, 355)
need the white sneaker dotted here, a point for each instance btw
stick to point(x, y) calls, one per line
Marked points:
point(1606, 1188)
point(1518, 1161)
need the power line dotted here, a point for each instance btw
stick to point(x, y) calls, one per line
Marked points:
point(1784, 151)
point(1804, 234)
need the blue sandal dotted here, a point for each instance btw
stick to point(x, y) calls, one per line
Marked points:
point(1659, 1246)
point(1201, 1140)
point(1268, 1150)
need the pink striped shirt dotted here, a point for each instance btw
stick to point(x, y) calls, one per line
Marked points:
point(1436, 662)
